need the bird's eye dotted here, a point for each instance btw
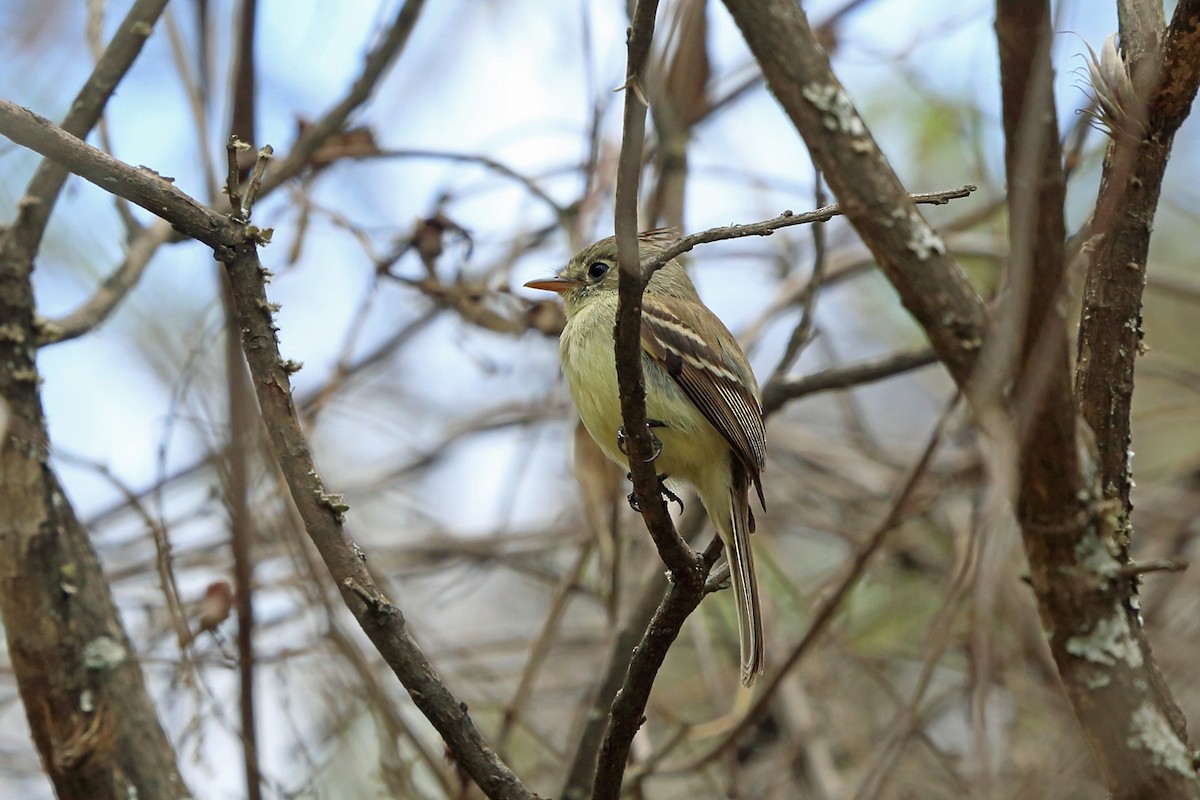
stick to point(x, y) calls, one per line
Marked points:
point(597, 270)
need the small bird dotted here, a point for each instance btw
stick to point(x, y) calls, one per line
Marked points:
point(702, 402)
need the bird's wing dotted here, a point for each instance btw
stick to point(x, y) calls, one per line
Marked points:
point(708, 376)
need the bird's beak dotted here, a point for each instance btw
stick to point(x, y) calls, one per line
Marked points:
point(558, 285)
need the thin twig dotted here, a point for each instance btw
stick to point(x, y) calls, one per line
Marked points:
point(256, 179)
point(376, 64)
point(487, 162)
point(539, 649)
point(115, 288)
point(785, 220)
point(778, 393)
point(802, 333)
point(233, 174)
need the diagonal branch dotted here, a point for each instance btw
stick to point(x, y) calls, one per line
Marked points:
point(143, 247)
point(377, 63)
point(929, 281)
point(236, 246)
point(24, 237)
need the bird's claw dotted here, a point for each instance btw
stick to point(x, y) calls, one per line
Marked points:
point(663, 490)
point(655, 442)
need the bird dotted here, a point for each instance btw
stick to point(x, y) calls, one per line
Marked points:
point(703, 404)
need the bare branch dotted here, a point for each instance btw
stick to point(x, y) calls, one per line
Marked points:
point(776, 394)
point(1070, 533)
point(687, 570)
point(23, 238)
point(676, 554)
point(89, 713)
point(236, 246)
point(1110, 335)
point(929, 281)
point(112, 291)
point(377, 63)
point(785, 220)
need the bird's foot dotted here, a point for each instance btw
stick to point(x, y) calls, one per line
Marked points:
point(655, 442)
point(670, 496)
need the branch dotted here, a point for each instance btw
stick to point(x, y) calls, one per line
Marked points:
point(1070, 533)
point(776, 394)
point(629, 705)
point(687, 570)
point(1110, 335)
point(582, 770)
point(143, 247)
point(676, 554)
point(1165, 71)
point(930, 282)
point(236, 246)
point(786, 220)
point(25, 236)
point(90, 717)
point(243, 425)
point(377, 62)
point(97, 308)
point(487, 162)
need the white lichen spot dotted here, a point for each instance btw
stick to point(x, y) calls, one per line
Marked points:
point(1092, 556)
point(1149, 731)
point(839, 113)
point(1110, 641)
point(924, 241)
point(1097, 680)
point(103, 653)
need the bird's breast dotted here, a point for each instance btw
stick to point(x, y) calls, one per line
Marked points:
point(589, 366)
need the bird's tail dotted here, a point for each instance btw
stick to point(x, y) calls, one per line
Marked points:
point(742, 578)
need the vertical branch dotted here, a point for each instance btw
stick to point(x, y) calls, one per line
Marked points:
point(90, 716)
point(628, 332)
point(243, 423)
point(1071, 535)
point(1163, 72)
point(1110, 330)
point(687, 569)
point(1050, 468)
